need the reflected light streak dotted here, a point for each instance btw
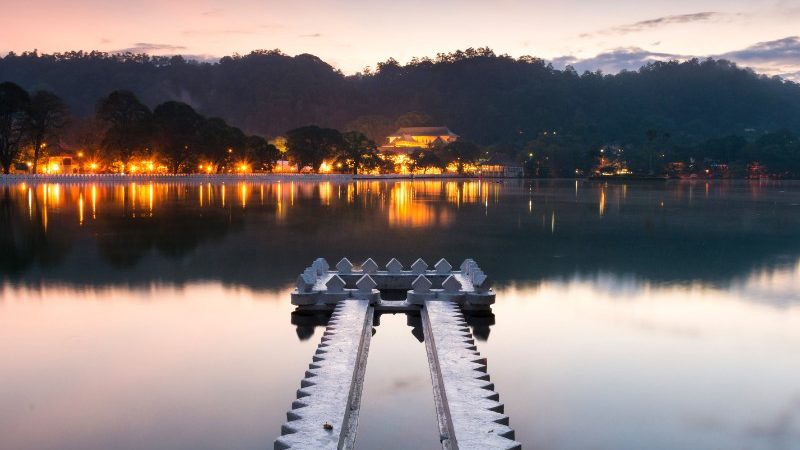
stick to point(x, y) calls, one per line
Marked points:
point(602, 206)
point(80, 209)
point(94, 202)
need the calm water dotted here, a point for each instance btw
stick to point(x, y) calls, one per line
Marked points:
point(639, 316)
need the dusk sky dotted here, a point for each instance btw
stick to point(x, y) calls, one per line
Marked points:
point(607, 35)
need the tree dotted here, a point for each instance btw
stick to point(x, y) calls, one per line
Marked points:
point(128, 125)
point(355, 149)
point(425, 160)
point(311, 145)
point(263, 154)
point(14, 104)
point(177, 134)
point(47, 116)
point(462, 153)
point(221, 143)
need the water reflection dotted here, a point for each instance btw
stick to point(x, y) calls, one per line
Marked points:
point(629, 316)
point(521, 231)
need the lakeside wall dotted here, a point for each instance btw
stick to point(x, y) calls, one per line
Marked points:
point(206, 178)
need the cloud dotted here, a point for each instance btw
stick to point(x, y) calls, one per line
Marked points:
point(779, 57)
point(617, 60)
point(655, 23)
point(786, 50)
point(215, 12)
point(147, 47)
point(312, 35)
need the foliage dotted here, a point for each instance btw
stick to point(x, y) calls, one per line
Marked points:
point(14, 105)
point(128, 125)
point(356, 149)
point(177, 135)
point(311, 145)
point(461, 153)
point(262, 154)
point(46, 118)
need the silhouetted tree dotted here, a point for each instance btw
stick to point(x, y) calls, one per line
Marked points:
point(461, 153)
point(222, 143)
point(263, 154)
point(177, 134)
point(47, 116)
point(425, 160)
point(309, 146)
point(128, 125)
point(355, 149)
point(14, 105)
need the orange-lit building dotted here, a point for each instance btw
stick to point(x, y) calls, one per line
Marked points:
point(415, 138)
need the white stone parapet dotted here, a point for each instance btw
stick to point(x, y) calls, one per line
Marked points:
point(320, 287)
point(325, 414)
point(468, 409)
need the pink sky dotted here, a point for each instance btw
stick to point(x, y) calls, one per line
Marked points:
point(351, 35)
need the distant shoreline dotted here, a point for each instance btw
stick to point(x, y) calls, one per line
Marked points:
point(270, 177)
point(202, 178)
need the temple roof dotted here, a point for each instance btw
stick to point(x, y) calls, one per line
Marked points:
point(423, 131)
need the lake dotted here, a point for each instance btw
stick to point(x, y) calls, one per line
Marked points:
point(628, 316)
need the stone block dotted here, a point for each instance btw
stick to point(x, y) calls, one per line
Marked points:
point(369, 266)
point(421, 285)
point(335, 284)
point(344, 266)
point(394, 266)
point(419, 267)
point(443, 267)
point(366, 283)
point(451, 285)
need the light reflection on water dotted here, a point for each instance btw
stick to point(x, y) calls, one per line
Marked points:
point(150, 315)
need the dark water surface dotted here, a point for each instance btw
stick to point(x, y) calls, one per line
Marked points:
point(628, 316)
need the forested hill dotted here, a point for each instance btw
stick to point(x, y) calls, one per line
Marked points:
point(483, 97)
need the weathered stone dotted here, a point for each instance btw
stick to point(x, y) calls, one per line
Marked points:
point(369, 266)
point(481, 282)
point(366, 283)
point(419, 267)
point(422, 285)
point(394, 266)
point(451, 285)
point(344, 266)
point(321, 266)
point(325, 414)
point(468, 408)
point(304, 282)
point(335, 284)
point(443, 267)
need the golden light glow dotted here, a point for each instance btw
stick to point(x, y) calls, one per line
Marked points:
point(325, 167)
point(94, 202)
point(80, 209)
point(406, 211)
point(243, 192)
point(602, 206)
point(325, 193)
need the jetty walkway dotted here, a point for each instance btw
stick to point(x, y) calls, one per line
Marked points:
point(325, 414)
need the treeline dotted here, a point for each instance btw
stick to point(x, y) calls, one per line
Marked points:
point(484, 97)
point(125, 136)
point(122, 130)
point(513, 106)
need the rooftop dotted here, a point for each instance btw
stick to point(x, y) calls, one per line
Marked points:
point(423, 131)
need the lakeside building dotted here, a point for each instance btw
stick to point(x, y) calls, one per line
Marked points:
point(408, 139)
